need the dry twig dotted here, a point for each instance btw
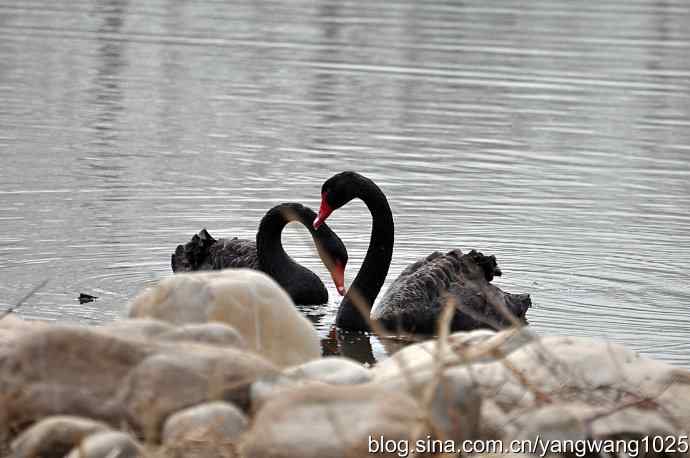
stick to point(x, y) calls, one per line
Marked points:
point(21, 301)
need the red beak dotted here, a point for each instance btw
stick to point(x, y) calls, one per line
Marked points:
point(338, 275)
point(324, 212)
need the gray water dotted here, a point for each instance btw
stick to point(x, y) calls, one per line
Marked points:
point(553, 134)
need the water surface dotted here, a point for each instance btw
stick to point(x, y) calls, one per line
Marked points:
point(553, 134)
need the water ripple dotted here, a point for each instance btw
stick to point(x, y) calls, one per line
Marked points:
point(551, 134)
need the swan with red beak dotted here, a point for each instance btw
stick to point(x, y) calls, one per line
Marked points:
point(413, 302)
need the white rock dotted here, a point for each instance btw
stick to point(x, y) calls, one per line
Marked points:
point(316, 421)
point(107, 444)
point(577, 422)
point(210, 418)
point(214, 333)
point(54, 436)
point(87, 372)
point(143, 328)
point(12, 327)
point(57, 370)
point(248, 300)
point(205, 430)
point(422, 356)
point(333, 370)
point(518, 370)
point(166, 383)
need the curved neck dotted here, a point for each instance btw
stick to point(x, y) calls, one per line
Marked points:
point(269, 248)
point(372, 275)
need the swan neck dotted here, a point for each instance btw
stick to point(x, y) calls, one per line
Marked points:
point(374, 269)
point(269, 246)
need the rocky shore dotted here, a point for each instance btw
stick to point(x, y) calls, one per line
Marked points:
point(222, 364)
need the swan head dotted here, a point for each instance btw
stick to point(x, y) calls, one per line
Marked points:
point(325, 211)
point(336, 192)
point(333, 253)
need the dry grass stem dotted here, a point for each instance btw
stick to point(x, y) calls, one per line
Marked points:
point(21, 301)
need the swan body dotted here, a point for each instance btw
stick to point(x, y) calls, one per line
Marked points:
point(246, 299)
point(203, 252)
point(415, 300)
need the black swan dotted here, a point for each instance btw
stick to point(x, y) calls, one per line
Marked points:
point(414, 301)
point(204, 252)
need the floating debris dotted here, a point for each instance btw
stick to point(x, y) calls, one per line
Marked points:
point(84, 298)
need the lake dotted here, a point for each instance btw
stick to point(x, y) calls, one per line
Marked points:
point(552, 134)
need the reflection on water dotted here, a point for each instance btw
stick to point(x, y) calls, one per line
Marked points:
point(553, 135)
